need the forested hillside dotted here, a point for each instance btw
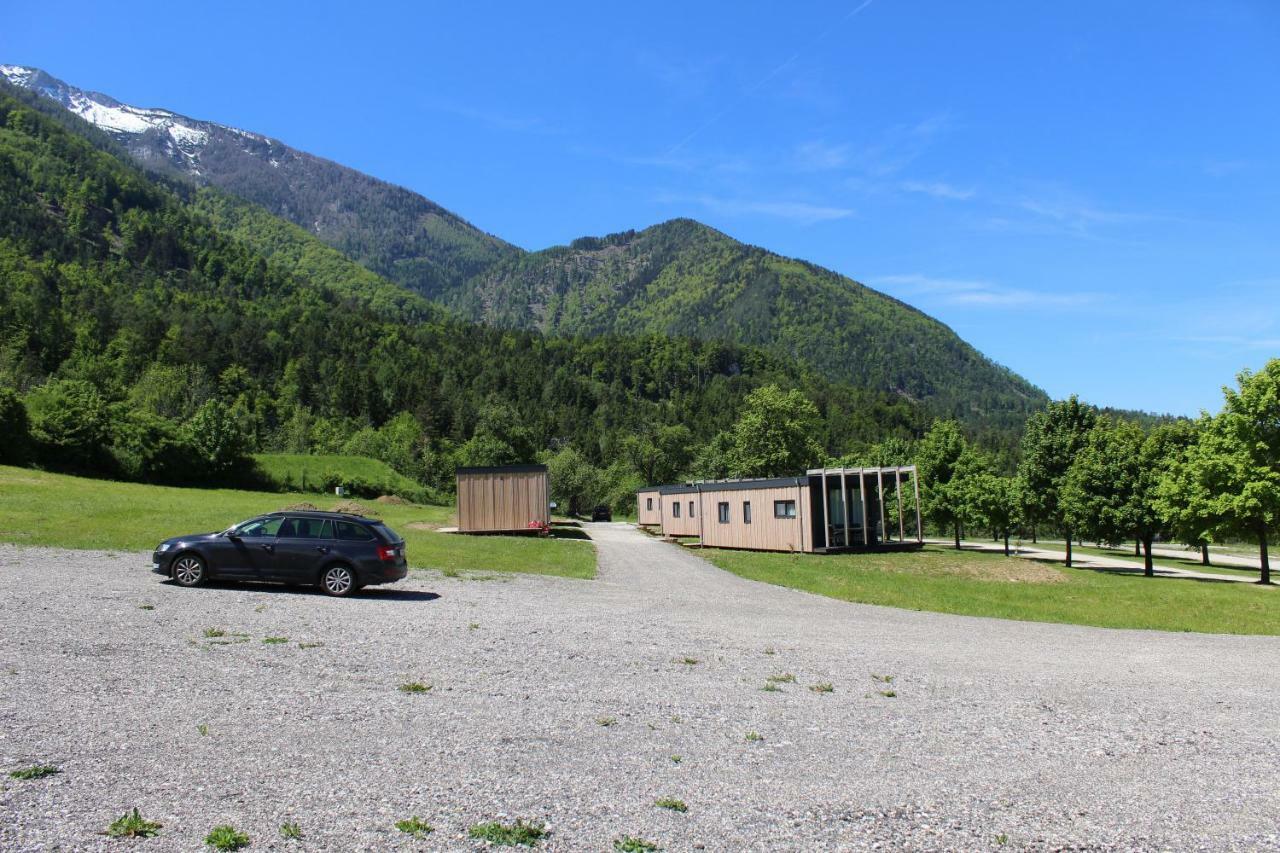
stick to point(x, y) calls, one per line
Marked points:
point(143, 323)
point(683, 278)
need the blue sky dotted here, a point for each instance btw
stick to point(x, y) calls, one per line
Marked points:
point(1088, 192)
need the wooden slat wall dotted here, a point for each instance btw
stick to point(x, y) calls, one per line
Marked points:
point(764, 533)
point(684, 525)
point(502, 501)
point(649, 516)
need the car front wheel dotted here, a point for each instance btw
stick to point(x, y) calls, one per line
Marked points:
point(188, 570)
point(338, 580)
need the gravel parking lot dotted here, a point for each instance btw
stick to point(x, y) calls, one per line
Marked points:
point(565, 702)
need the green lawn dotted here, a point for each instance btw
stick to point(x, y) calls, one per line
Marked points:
point(38, 508)
point(980, 584)
point(302, 472)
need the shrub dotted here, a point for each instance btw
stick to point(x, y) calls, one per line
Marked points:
point(217, 441)
point(69, 424)
point(150, 448)
point(16, 429)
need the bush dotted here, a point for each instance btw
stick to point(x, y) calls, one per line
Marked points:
point(15, 449)
point(69, 424)
point(152, 449)
point(219, 446)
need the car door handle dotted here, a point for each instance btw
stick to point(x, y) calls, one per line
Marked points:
point(323, 549)
point(270, 549)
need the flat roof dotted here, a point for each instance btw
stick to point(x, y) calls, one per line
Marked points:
point(503, 469)
point(886, 469)
point(725, 485)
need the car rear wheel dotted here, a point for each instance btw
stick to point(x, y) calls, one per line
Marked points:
point(189, 570)
point(338, 580)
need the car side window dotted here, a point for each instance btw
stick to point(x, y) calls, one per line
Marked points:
point(260, 527)
point(308, 528)
point(353, 532)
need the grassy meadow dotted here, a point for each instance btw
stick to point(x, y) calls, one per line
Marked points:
point(973, 583)
point(303, 472)
point(39, 508)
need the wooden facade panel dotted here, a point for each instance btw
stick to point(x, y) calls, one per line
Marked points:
point(502, 500)
point(649, 508)
point(680, 522)
point(765, 532)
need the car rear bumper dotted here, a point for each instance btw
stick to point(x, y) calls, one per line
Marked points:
point(387, 573)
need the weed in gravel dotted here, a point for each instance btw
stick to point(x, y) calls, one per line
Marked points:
point(770, 687)
point(146, 607)
point(415, 826)
point(671, 803)
point(754, 736)
point(770, 651)
point(883, 679)
point(211, 633)
point(226, 837)
point(473, 626)
point(676, 718)
point(687, 661)
point(203, 730)
point(310, 645)
point(1002, 839)
point(35, 771)
point(290, 830)
point(822, 687)
point(509, 834)
point(676, 759)
point(275, 641)
point(133, 825)
point(888, 694)
point(632, 844)
point(606, 721)
point(781, 678)
point(451, 573)
point(261, 608)
point(414, 687)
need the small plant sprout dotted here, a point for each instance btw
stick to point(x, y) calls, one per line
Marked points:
point(310, 645)
point(146, 607)
point(632, 844)
point(275, 641)
point(687, 661)
point(782, 678)
point(414, 687)
point(1002, 839)
point(133, 825)
point(606, 721)
point(415, 826)
point(203, 730)
point(473, 626)
point(671, 803)
point(290, 830)
point(509, 834)
point(211, 633)
point(770, 651)
point(770, 687)
point(261, 608)
point(226, 837)
point(35, 771)
point(888, 694)
point(676, 718)
point(883, 679)
point(822, 687)
point(754, 736)
point(676, 759)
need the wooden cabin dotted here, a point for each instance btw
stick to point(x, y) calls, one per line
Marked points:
point(681, 515)
point(503, 499)
point(649, 507)
point(826, 510)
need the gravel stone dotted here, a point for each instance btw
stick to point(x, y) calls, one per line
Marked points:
point(1002, 735)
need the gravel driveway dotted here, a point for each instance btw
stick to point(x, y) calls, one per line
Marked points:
point(565, 701)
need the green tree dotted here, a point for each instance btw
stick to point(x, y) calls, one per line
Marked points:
point(993, 501)
point(576, 484)
point(1050, 443)
point(774, 435)
point(1231, 476)
point(151, 448)
point(941, 460)
point(15, 429)
point(69, 424)
point(659, 454)
point(217, 442)
point(1185, 521)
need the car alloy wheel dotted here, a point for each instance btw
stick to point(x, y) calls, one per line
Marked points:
point(188, 570)
point(338, 580)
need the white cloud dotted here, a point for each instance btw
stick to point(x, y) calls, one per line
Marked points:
point(800, 212)
point(938, 189)
point(978, 293)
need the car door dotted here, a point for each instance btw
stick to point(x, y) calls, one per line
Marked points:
point(302, 547)
point(253, 552)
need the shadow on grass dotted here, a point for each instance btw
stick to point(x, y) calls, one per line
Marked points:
point(1136, 571)
point(566, 532)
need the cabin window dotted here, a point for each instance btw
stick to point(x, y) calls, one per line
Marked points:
point(675, 509)
point(648, 503)
point(691, 509)
point(723, 508)
point(784, 509)
point(746, 512)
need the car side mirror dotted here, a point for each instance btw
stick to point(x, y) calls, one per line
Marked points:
point(233, 537)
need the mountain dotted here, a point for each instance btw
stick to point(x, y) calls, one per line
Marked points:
point(160, 298)
point(392, 231)
point(679, 278)
point(684, 278)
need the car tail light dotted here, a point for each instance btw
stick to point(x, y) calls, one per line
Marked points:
point(387, 554)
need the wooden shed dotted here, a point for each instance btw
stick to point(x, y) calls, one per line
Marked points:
point(758, 515)
point(505, 498)
point(649, 507)
point(680, 511)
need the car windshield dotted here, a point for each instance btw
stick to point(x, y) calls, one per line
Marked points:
point(387, 533)
point(258, 527)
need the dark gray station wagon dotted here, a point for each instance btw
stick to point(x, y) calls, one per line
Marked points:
point(337, 552)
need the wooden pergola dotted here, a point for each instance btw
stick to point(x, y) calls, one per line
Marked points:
point(897, 474)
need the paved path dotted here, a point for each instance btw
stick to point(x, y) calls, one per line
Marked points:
point(1039, 736)
point(1093, 561)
